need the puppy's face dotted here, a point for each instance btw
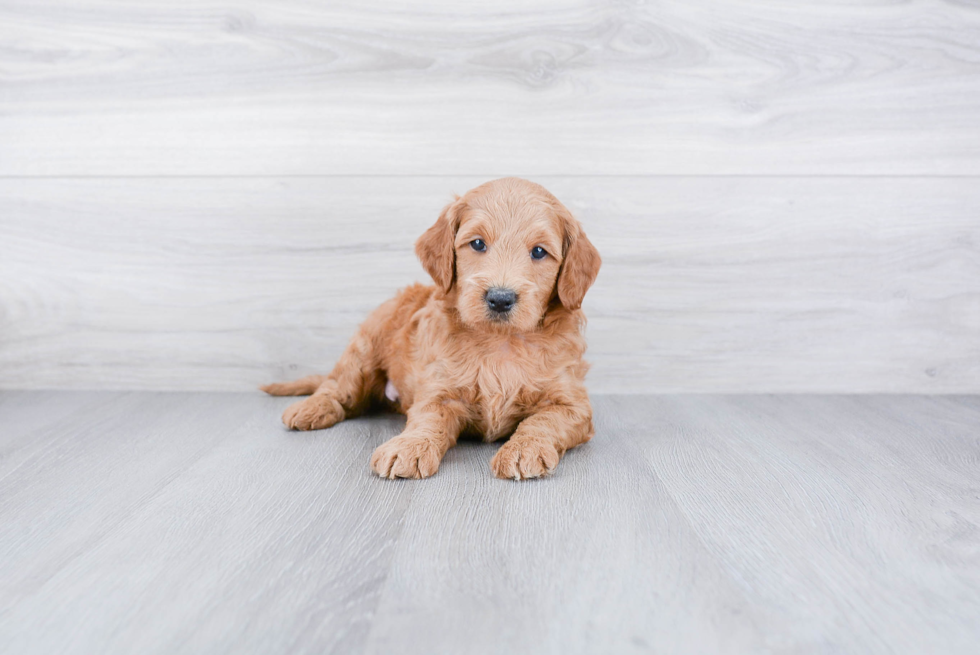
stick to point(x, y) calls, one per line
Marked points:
point(507, 261)
point(507, 248)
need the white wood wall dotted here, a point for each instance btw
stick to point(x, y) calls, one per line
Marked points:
point(203, 195)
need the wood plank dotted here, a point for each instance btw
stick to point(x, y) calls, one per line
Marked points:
point(121, 451)
point(853, 519)
point(723, 524)
point(196, 522)
point(109, 87)
point(29, 417)
point(597, 558)
point(709, 284)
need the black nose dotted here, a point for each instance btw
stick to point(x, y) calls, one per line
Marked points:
point(500, 300)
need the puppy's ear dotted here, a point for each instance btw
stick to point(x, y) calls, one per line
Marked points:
point(580, 266)
point(436, 248)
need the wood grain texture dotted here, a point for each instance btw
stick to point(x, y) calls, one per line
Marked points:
point(837, 523)
point(140, 500)
point(109, 87)
point(709, 284)
point(160, 523)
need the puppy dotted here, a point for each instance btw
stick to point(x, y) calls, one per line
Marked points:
point(493, 349)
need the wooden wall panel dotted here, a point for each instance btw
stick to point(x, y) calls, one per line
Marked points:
point(709, 283)
point(294, 87)
point(209, 195)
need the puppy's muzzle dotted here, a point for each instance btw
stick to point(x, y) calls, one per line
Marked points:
point(500, 301)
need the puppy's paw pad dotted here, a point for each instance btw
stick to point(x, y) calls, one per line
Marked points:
point(406, 456)
point(521, 460)
point(314, 413)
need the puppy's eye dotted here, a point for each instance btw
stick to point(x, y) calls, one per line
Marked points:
point(537, 252)
point(478, 245)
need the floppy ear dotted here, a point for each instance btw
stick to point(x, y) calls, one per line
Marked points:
point(436, 248)
point(579, 268)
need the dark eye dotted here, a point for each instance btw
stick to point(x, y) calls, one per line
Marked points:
point(478, 245)
point(537, 252)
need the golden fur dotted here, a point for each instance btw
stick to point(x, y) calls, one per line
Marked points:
point(457, 366)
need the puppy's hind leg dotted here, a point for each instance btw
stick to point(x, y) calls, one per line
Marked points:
point(354, 382)
point(346, 392)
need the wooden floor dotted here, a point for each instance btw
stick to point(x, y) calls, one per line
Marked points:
point(163, 523)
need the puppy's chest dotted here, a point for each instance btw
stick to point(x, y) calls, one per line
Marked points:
point(503, 384)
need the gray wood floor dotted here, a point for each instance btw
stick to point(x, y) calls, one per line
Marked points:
point(193, 522)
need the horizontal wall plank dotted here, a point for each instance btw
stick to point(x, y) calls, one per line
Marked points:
point(709, 284)
point(285, 87)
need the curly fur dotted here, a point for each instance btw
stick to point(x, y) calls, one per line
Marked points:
point(456, 366)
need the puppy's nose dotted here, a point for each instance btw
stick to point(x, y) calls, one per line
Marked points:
point(501, 300)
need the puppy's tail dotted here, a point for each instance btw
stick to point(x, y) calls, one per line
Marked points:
point(302, 387)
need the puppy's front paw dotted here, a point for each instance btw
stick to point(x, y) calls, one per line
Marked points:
point(407, 456)
point(520, 459)
point(314, 413)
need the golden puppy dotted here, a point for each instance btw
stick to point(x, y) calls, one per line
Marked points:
point(495, 348)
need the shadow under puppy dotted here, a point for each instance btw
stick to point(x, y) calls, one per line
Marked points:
point(494, 348)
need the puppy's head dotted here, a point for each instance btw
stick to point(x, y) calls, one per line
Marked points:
point(504, 251)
